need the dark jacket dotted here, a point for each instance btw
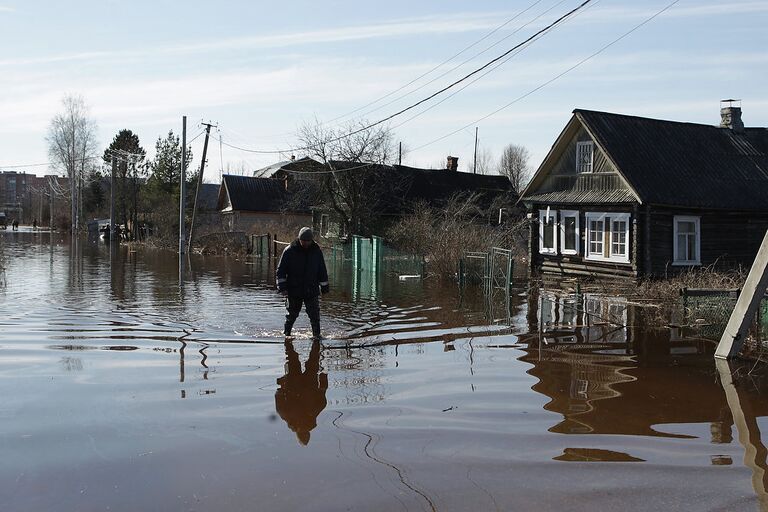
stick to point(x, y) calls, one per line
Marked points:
point(301, 272)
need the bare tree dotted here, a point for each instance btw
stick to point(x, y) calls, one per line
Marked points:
point(484, 161)
point(355, 160)
point(514, 165)
point(72, 148)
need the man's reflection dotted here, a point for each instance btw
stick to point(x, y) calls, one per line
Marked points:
point(301, 395)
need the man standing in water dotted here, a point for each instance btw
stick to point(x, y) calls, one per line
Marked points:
point(301, 276)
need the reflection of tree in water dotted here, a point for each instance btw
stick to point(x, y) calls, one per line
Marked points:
point(301, 395)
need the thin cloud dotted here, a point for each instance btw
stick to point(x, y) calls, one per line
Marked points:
point(7, 9)
point(392, 29)
point(677, 11)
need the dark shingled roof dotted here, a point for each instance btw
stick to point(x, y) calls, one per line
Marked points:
point(685, 164)
point(436, 185)
point(410, 184)
point(262, 195)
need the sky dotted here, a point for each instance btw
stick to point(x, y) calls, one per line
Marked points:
point(260, 70)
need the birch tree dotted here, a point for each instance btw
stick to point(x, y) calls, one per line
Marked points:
point(514, 165)
point(355, 160)
point(72, 148)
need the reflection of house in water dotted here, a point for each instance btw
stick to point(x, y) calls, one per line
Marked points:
point(606, 373)
point(583, 318)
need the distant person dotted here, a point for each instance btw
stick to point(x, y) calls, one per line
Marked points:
point(34, 224)
point(15, 225)
point(302, 276)
point(301, 396)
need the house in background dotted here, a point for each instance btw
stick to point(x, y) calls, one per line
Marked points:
point(260, 205)
point(393, 190)
point(626, 196)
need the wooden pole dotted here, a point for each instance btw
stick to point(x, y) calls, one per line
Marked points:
point(199, 185)
point(475, 165)
point(182, 186)
point(112, 201)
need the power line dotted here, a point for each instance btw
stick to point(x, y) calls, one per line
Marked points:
point(438, 66)
point(423, 100)
point(556, 77)
point(446, 61)
point(118, 152)
point(438, 77)
point(486, 73)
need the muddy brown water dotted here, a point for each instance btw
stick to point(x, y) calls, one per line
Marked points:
point(124, 391)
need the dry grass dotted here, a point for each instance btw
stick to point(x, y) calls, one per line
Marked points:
point(702, 277)
point(442, 235)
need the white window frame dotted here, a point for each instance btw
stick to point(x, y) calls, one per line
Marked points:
point(581, 147)
point(542, 217)
point(697, 234)
point(563, 215)
point(607, 236)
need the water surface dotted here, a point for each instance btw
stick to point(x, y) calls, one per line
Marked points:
point(124, 390)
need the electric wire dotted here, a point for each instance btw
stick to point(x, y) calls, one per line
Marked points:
point(118, 152)
point(431, 96)
point(556, 77)
point(476, 79)
point(438, 66)
point(435, 79)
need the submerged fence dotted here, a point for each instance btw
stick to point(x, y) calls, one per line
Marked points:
point(708, 311)
point(493, 269)
point(261, 245)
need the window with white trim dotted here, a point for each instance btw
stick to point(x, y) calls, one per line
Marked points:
point(687, 240)
point(547, 233)
point(569, 232)
point(585, 152)
point(607, 236)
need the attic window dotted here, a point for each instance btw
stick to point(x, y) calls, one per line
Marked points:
point(584, 156)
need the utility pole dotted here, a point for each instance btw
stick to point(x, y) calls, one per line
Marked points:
point(199, 184)
point(475, 166)
point(112, 201)
point(182, 186)
point(400, 154)
point(221, 156)
point(50, 217)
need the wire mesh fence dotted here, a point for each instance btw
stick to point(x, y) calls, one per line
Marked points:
point(708, 311)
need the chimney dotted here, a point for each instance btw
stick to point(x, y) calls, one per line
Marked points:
point(730, 115)
point(452, 163)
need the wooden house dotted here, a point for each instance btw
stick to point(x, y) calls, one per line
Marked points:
point(258, 205)
point(627, 196)
point(391, 191)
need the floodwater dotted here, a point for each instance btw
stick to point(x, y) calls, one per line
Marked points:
point(124, 391)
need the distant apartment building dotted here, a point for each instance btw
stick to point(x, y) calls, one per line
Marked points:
point(27, 197)
point(13, 194)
